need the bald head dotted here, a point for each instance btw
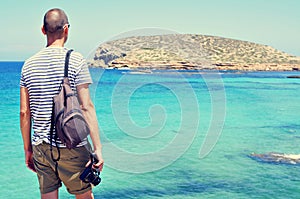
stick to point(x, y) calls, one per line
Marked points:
point(54, 21)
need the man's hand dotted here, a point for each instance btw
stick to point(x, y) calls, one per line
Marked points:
point(99, 164)
point(29, 160)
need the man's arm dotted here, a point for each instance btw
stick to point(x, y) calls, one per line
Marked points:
point(25, 124)
point(90, 115)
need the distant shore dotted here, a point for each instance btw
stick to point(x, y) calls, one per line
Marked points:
point(182, 65)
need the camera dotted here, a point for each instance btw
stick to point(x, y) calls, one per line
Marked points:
point(91, 175)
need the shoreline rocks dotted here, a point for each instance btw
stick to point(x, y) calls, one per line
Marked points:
point(182, 65)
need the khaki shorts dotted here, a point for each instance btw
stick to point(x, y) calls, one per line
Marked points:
point(70, 166)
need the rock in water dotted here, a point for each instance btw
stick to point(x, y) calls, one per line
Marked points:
point(277, 158)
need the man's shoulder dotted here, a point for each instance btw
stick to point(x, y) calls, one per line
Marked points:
point(77, 60)
point(77, 55)
point(34, 57)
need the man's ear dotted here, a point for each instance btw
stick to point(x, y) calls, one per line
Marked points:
point(66, 31)
point(43, 30)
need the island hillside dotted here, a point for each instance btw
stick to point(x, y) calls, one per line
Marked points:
point(190, 51)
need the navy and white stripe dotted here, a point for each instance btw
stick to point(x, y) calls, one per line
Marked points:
point(42, 75)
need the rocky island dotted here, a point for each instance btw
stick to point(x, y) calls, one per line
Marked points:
point(191, 52)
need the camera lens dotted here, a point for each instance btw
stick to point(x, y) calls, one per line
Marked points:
point(97, 181)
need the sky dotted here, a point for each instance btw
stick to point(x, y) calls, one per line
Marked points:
point(274, 23)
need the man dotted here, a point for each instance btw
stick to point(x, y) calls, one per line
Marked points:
point(41, 77)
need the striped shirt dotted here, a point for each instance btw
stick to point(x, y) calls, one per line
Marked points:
point(42, 75)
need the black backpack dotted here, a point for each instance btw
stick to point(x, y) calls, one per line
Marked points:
point(67, 117)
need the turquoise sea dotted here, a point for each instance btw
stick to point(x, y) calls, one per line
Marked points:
point(175, 134)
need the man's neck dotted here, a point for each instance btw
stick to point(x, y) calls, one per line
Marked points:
point(56, 43)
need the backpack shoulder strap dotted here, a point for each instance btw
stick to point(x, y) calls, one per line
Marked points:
point(52, 115)
point(67, 62)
